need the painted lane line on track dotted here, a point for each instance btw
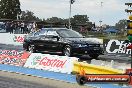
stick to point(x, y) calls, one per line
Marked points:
point(50, 75)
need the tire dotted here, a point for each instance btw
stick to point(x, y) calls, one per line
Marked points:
point(81, 80)
point(31, 48)
point(67, 51)
point(25, 46)
point(95, 56)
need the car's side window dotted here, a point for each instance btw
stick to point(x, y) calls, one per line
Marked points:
point(36, 34)
point(50, 34)
point(43, 32)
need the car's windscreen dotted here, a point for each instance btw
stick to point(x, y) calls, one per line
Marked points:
point(69, 33)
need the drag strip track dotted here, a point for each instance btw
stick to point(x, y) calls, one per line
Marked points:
point(106, 57)
point(11, 47)
point(13, 80)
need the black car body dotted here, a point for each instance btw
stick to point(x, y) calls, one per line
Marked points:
point(67, 41)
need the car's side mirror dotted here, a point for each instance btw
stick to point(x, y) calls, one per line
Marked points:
point(56, 37)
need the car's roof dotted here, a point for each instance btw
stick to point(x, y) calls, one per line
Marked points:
point(53, 28)
point(48, 29)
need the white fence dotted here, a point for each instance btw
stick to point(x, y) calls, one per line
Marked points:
point(62, 64)
point(15, 39)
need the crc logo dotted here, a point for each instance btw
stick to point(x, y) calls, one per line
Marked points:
point(19, 39)
point(117, 47)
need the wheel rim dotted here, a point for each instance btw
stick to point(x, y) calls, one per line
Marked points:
point(31, 48)
point(67, 51)
point(82, 81)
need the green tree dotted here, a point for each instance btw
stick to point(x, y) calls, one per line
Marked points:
point(54, 19)
point(79, 19)
point(9, 9)
point(55, 22)
point(121, 24)
point(28, 16)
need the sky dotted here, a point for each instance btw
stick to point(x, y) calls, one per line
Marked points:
point(109, 12)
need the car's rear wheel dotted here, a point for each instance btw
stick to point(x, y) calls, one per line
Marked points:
point(67, 51)
point(31, 48)
point(95, 56)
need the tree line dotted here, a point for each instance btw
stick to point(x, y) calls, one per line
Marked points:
point(10, 9)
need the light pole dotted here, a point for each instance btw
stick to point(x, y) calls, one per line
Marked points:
point(100, 23)
point(100, 14)
point(70, 16)
point(71, 2)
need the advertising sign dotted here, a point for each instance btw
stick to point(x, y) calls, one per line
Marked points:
point(105, 78)
point(48, 62)
point(13, 57)
point(116, 47)
point(18, 38)
point(14, 39)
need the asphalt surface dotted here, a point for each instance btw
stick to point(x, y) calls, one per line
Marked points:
point(11, 47)
point(13, 80)
point(105, 57)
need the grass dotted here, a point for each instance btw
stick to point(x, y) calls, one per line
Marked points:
point(121, 36)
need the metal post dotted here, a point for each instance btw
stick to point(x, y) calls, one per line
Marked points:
point(100, 23)
point(101, 13)
point(131, 58)
point(70, 16)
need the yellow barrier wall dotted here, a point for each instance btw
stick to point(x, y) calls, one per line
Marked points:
point(94, 69)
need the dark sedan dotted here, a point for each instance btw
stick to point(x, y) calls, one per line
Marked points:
point(66, 41)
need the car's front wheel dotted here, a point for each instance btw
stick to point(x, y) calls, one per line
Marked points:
point(95, 56)
point(67, 51)
point(31, 48)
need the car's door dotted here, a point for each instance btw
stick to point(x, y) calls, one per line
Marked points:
point(52, 40)
point(40, 40)
point(35, 39)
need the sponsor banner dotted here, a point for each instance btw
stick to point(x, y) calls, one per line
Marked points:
point(105, 78)
point(18, 38)
point(14, 39)
point(48, 62)
point(13, 57)
point(121, 78)
point(116, 47)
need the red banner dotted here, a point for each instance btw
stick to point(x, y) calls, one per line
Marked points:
point(108, 78)
point(105, 78)
point(13, 57)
